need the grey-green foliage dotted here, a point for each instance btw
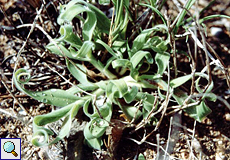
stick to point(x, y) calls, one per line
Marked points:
point(136, 73)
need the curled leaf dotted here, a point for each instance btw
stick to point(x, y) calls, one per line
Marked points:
point(56, 97)
point(73, 9)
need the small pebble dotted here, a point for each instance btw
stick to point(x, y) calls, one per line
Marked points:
point(220, 142)
point(227, 116)
point(216, 31)
point(22, 112)
point(227, 92)
point(162, 142)
point(220, 156)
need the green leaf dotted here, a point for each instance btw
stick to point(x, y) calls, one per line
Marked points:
point(141, 157)
point(198, 112)
point(86, 108)
point(103, 22)
point(87, 133)
point(150, 77)
point(148, 102)
point(72, 10)
point(121, 63)
point(121, 87)
point(179, 81)
point(110, 50)
point(93, 132)
point(42, 120)
point(78, 71)
point(210, 96)
point(162, 96)
point(110, 90)
point(213, 16)
point(56, 97)
point(157, 44)
point(66, 125)
point(105, 110)
point(188, 5)
point(40, 134)
point(120, 45)
point(140, 41)
point(59, 49)
point(179, 96)
point(95, 143)
point(104, 2)
point(121, 18)
point(98, 127)
point(130, 112)
point(138, 56)
point(210, 87)
point(162, 61)
point(85, 51)
point(157, 12)
point(68, 36)
point(130, 96)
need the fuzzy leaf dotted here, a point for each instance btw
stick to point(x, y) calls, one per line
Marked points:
point(78, 71)
point(180, 80)
point(157, 12)
point(68, 36)
point(140, 41)
point(85, 50)
point(41, 120)
point(72, 10)
point(162, 61)
point(138, 56)
point(104, 2)
point(130, 112)
point(66, 125)
point(130, 96)
point(141, 157)
point(121, 63)
point(121, 87)
point(198, 112)
point(59, 49)
point(110, 50)
point(56, 97)
point(103, 22)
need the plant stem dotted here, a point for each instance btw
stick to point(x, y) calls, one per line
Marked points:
point(97, 64)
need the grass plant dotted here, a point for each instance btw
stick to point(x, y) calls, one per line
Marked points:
point(133, 73)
